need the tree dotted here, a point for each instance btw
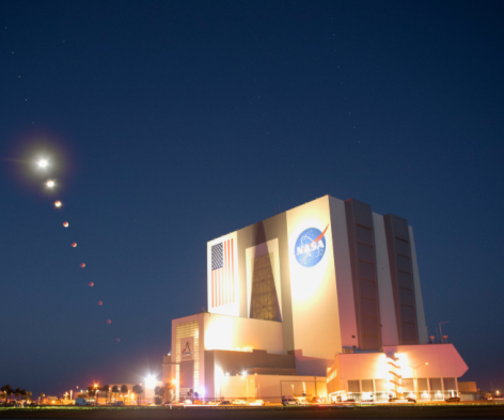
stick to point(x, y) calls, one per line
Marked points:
point(106, 388)
point(115, 390)
point(5, 390)
point(29, 395)
point(18, 393)
point(42, 396)
point(91, 391)
point(124, 391)
point(159, 392)
point(9, 393)
point(24, 393)
point(137, 389)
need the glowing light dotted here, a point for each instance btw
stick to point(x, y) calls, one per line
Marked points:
point(57, 204)
point(82, 265)
point(50, 184)
point(91, 284)
point(42, 163)
point(100, 303)
point(244, 373)
point(65, 224)
point(74, 244)
point(150, 381)
point(109, 321)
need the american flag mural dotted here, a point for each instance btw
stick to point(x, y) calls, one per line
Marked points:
point(222, 273)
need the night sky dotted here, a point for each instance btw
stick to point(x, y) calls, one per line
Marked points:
point(170, 123)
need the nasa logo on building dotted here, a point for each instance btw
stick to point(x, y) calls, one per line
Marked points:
point(310, 247)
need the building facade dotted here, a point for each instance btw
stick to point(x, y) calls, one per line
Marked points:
point(321, 283)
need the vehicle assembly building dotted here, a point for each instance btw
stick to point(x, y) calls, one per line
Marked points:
point(321, 300)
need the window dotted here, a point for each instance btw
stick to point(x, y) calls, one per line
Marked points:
point(380, 385)
point(408, 385)
point(422, 384)
point(450, 384)
point(435, 384)
point(264, 299)
point(367, 385)
point(354, 386)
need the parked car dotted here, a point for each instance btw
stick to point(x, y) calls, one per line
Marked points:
point(82, 401)
point(257, 402)
point(225, 402)
point(402, 400)
point(452, 399)
point(289, 400)
point(239, 402)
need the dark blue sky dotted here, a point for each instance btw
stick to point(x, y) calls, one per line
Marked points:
point(170, 123)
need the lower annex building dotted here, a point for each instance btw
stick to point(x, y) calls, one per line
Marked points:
point(321, 300)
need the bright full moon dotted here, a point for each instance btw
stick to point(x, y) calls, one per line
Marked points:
point(42, 163)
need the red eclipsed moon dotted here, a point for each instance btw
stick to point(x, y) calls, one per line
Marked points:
point(65, 224)
point(74, 244)
point(83, 265)
point(100, 303)
point(91, 284)
point(118, 339)
point(109, 321)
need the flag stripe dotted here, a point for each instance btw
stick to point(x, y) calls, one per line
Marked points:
point(224, 292)
point(227, 273)
point(222, 273)
point(232, 272)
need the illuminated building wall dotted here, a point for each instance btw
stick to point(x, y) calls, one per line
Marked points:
point(329, 268)
point(196, 335)
point(424, 372)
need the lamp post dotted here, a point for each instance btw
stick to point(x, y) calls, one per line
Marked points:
point(416, 377)
point(440, 331)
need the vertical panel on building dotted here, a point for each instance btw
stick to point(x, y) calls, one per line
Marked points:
point(268, 237)
point(313, 283)
point(388, 319)
point(343, 269)
point(363, 260)
point(401, 270)
point(421, 325)
point(187, 357)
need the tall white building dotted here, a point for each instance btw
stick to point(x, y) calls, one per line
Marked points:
point(297, 292)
